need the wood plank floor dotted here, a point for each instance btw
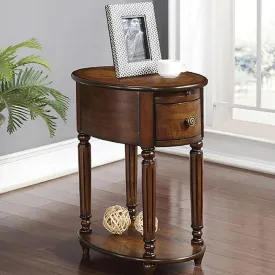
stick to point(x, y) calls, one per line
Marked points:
point(38, 224)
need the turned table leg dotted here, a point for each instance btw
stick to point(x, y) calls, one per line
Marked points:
point(131, 179)
point(196, 189)
point(84, 162)
point(149, 204)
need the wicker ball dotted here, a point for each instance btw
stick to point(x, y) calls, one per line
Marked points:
point(139, 223)
point(116, 219)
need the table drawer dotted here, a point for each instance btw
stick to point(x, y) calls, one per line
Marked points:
point(178, 120)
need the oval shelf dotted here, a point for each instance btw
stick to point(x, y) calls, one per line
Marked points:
point(172, 244)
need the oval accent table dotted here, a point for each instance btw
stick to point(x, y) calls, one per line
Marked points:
point(147, 111)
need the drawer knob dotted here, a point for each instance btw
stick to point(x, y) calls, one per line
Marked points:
point(191, 121)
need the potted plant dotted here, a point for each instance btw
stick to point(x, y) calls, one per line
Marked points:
point(25, 91)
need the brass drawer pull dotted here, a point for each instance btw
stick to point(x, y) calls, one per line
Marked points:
point(191, 121)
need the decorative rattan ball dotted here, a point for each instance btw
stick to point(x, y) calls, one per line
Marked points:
point(116, 219)
point(139, 223)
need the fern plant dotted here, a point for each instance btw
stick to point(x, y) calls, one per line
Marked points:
point(25, 92)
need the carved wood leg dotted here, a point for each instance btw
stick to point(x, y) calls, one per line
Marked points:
point(196, 189)
point(85, 250)
point(149, 201)
point(131, 179)
point(84, 162)
point(198, 260)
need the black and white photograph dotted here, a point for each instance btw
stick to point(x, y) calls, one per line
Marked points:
point(134, 38)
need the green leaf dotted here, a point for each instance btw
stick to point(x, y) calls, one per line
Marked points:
point(25, 93)
point(6, 71)
point(28, 95)
point(8, 55)
point(2, 119)
point(30, 43)
point(32, 59)
point(6, 63)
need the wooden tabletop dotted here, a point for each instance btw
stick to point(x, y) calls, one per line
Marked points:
point(105, 77)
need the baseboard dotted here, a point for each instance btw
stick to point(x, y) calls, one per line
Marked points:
point(37, 165)
point(236, 151)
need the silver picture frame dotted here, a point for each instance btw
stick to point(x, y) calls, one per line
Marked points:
point(134, 38)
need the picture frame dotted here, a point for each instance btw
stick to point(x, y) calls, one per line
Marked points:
point(134, 38)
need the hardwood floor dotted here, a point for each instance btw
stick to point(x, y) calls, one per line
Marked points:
point(38, 224)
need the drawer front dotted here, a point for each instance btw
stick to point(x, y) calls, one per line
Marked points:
point(178, 120)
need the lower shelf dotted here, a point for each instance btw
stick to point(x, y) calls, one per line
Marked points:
point(172, 244)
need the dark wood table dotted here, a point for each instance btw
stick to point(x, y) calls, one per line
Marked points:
point(147, 111)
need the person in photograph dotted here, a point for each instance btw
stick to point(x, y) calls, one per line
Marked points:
point(134, 40)
point(125, 26)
